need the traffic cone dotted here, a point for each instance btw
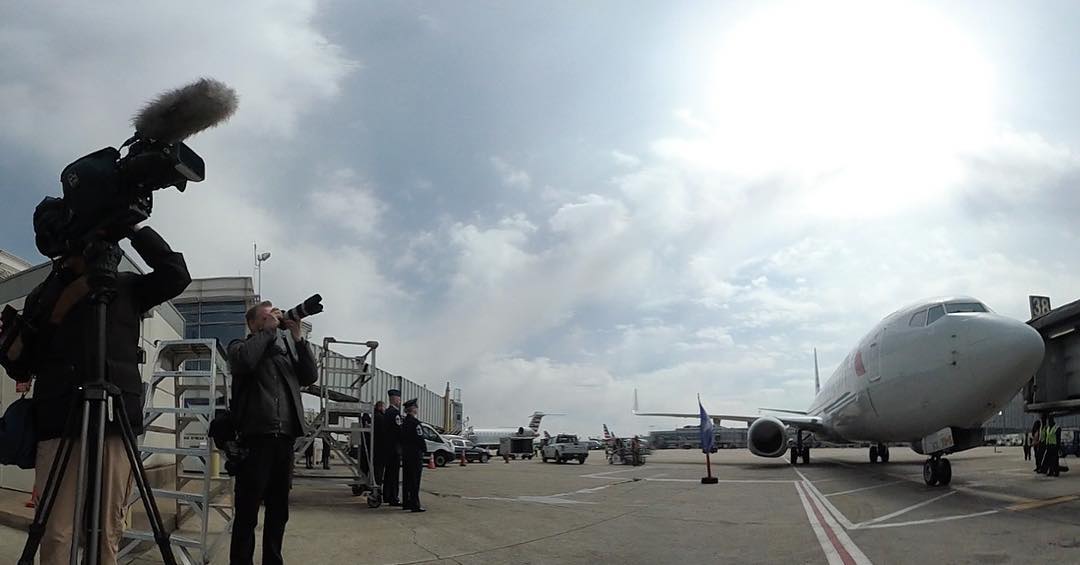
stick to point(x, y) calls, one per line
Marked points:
point(462, 459)
point(33, 499)
point(431, 462)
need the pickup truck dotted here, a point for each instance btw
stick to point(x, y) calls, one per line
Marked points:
point(564, 448)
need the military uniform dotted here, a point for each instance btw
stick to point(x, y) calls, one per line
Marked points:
point(413, 448)
point(392, 455)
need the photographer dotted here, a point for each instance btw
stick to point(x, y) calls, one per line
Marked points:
point(268, 369)
point(59, 353)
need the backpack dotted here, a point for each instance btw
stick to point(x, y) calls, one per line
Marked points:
point(18, 442)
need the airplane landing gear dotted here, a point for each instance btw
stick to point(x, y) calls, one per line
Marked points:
point(879, 452)
point(937, 471)
point(799, 450)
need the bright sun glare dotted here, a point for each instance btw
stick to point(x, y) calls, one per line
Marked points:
point(869, 104)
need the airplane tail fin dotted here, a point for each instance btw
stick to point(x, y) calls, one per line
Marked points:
point(534, 422)
point(817, 378)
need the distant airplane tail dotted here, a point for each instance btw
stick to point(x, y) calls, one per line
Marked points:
point(817, 378)
point(608, 437)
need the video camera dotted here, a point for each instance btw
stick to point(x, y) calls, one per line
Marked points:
point(104, 193)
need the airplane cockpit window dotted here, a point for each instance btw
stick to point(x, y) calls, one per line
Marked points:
point(958, 307)
point(918, 320)
point(934, 313)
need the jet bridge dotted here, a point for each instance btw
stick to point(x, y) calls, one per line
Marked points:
point(1055, 389)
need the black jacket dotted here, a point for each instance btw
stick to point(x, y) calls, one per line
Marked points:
point(266, 384)
point(62, 358)
point(378, 426)
point(392, 420)
point(412, 438)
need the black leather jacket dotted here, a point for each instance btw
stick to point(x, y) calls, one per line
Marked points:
point(63, 355)
point(266, 384)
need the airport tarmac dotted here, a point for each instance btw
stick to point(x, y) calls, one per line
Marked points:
point(838, 509)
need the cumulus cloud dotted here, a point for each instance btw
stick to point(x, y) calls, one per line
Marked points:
point(511, 176)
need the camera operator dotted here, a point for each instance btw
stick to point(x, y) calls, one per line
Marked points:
point(60, 356)
point(268, 369)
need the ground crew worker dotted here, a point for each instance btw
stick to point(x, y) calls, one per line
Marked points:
point(1053, 441)
point(413, 448)
point(392, 456)
point(1040, 448)
point(1026, 442)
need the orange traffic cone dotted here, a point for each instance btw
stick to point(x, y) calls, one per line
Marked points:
point(33, 499)
point(462, 459)
point(431, 462)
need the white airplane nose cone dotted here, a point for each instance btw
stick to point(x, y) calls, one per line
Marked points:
point(1029, 347)
point(1006, 352)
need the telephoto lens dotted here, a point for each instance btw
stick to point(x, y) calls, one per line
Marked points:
point(306, 308)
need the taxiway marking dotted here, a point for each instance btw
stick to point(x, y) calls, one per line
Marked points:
point(838, 547)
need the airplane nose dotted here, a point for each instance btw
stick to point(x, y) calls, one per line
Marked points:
point(1004, 348)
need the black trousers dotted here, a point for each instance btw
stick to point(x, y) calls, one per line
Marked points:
point(1040, 457)
point(1052, 454)
point(391, 468)
point(265, 478)
point(1027, 453)
point(412, 469)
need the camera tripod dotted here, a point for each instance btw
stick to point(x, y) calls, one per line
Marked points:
point(97, 400)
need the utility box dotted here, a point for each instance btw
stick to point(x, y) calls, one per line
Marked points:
point(1056, 386)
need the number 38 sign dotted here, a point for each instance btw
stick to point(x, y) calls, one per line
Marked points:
point(1040, 306)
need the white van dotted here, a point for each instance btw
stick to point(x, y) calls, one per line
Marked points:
point(438, 447)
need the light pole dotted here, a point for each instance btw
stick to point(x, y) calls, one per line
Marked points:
point(259, 258)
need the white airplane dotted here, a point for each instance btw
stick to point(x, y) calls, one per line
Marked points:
point(930, 374)
point(489, 437)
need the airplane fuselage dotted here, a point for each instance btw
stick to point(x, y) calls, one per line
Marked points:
point(927, 367)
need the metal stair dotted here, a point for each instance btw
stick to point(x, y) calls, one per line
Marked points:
point(190, 383)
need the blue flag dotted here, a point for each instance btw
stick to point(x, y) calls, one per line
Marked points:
point(706, 429)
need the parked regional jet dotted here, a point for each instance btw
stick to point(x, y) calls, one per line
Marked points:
point(930, 374)
point(489, 438)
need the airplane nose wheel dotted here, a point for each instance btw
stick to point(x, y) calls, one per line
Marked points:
point(879, 452)
point(937, 471)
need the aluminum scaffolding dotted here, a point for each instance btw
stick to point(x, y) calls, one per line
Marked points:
point(343, 413)
point(194, 374)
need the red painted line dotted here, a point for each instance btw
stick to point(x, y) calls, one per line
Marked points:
point(840, 549)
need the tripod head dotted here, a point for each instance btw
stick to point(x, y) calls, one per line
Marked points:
point(102, 259)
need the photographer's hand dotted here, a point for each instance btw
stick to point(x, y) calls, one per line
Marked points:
point(294, 327)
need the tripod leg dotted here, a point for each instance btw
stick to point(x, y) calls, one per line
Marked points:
point(147, 495)
point(48, 498)
point(97, 475)
point(80, 487)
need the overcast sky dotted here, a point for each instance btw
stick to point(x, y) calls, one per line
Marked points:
point(550, 204)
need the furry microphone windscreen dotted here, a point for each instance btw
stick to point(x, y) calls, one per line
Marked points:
point(178, 114)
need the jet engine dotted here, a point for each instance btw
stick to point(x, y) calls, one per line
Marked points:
point(767, 437)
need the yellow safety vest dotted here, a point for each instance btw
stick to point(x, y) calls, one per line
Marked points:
point(1051, 435)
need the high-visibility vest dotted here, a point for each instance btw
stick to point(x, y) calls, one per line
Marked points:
point(1051, 434)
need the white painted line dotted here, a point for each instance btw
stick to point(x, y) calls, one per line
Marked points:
point(531, 499)
point(659, 478)
point(904, 510)
point(840, 548)
point(819, 530)
point(836, 513)
point(605, 474)
point(841, 493)
point(929, 520)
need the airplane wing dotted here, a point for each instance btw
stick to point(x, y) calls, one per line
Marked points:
point(799, 412)
point(804, 422)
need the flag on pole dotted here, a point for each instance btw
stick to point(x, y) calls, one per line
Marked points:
point(706, 429)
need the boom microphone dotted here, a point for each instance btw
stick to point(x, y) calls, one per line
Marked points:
point(178, 114)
